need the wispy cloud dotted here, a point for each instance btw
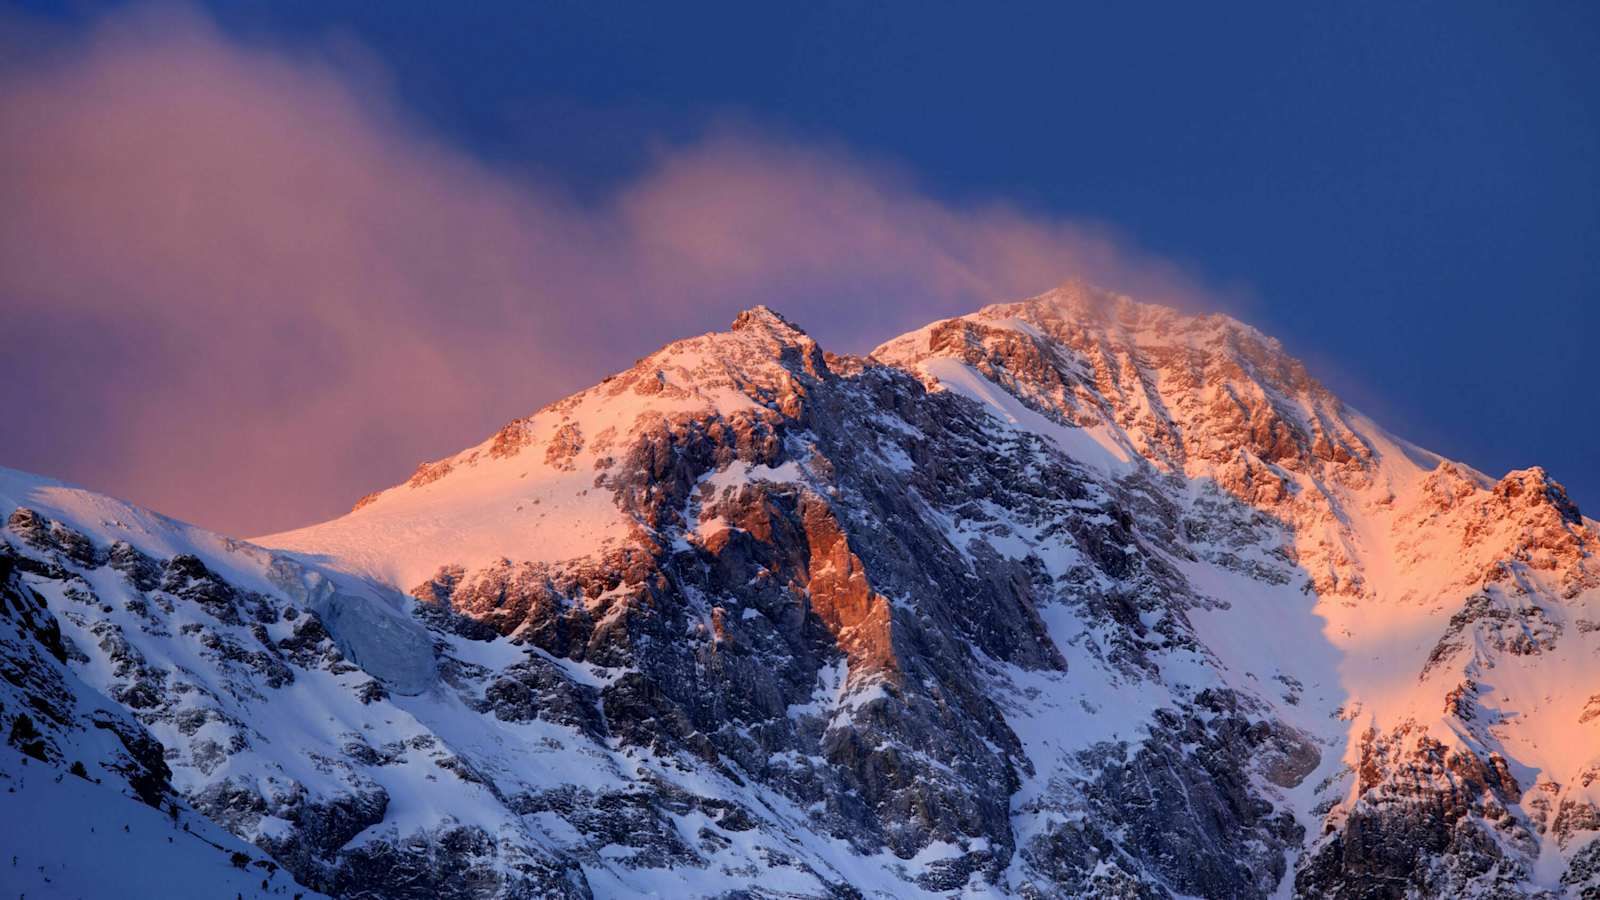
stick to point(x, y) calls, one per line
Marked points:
point(240, 285)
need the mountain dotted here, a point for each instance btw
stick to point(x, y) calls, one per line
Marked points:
point(1069, 597)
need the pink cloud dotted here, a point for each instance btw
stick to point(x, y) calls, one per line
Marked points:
point(240, 286)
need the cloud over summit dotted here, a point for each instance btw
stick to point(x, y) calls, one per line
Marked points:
point(240, 285)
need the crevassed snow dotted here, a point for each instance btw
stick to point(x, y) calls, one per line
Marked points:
point(371, 624)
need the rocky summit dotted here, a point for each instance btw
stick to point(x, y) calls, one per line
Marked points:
point(1072, 597)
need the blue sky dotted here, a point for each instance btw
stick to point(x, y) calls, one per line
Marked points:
point(1407, 194)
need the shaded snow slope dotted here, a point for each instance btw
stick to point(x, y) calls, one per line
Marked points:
point(367, 619)
point(66, 837)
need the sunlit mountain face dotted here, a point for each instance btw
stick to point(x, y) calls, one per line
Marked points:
point(1070, 597)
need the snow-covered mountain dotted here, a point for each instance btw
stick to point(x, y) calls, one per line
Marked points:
point(1070, 597)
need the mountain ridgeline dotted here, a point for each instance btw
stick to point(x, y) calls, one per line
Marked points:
point(1072, 597)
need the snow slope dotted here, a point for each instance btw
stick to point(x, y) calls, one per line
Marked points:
point(66, 837)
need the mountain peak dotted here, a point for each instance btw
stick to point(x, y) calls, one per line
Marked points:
point(756, 367)
point(1535, 486)
point(1073, 553)
point(764, 317)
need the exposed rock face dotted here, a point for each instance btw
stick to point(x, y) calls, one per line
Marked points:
point(1073, 597)
point(1429, 820)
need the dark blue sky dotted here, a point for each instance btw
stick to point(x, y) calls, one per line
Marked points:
point(1407, 194)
